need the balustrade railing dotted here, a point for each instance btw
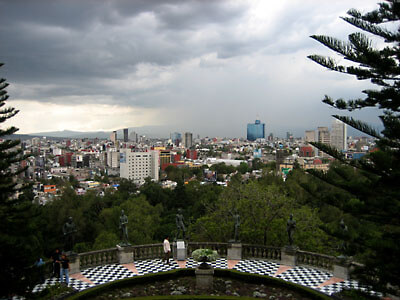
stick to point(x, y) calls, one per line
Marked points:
point(151, 251)
point(260, 251)
point(315, 259)
point(97, 258)
point(147, 251)
point(221, 248)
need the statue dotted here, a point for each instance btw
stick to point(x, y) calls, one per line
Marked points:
point(123, 225)
point(180, 224)
point(343, 245)
point(69, 230)
point(236, 219)
point(290, 227)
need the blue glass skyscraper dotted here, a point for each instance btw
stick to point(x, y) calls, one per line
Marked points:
point(176, 138)
point(255, 131)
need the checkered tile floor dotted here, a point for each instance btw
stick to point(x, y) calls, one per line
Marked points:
point(261, 267)
point(154, 266)
point(348, 284)
point(300, 275)
point(305, 276)
point(74, 283)
point(107, 273)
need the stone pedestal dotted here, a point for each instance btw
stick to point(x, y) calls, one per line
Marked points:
point(181, 250)
point(74, 263)
point(288, 256)
point(204, 278)
point(235, 251)
point(125, 254)
point(341, 268)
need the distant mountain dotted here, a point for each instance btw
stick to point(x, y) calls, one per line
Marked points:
point(149, 131)
point(73, 134)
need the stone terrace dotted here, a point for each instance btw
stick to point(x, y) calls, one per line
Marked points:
point(305, 268)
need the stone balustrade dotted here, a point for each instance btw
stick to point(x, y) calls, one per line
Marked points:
point(221, 248)
point(147, 251)
point(97, 258)
point(261, 252)
point(128, 254)
point(315, 260)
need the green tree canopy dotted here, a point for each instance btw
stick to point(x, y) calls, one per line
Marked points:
point(264, 210)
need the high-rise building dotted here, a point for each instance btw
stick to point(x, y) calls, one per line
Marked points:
point(188, 140)
point(339, 135)
point(289, 135)
point(323, 135)
point(113, 136)
point(325, 138)
point(125, 135)
point(113, 158)
point(139, 165)
point(255, 131)
point(134, 137)
point(310, 135)
point(176, 138)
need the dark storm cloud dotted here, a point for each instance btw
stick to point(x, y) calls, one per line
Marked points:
point(196, 57)
point(48, 39)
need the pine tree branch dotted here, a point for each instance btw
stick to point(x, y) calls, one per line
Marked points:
point(371, 28)
point(359, 125)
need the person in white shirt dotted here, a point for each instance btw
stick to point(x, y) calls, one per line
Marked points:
point(167, 250)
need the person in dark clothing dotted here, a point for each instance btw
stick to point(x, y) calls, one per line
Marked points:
point(56, 263)
point(64, 269)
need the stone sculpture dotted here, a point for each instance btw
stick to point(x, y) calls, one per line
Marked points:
point(69, 231)
point(290, 228)
point(123, 225)
point(180, 224)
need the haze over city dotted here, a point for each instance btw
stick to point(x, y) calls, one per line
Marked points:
point(209, 67)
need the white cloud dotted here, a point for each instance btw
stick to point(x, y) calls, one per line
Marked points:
point(39, 117)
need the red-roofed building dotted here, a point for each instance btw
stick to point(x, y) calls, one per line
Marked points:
point(306, 151)
point(176, 157)
point(191, 154)
point(317, 161)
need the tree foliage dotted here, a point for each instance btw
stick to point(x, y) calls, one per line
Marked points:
point(19, 244)
point(376, 192)
point(264, 210)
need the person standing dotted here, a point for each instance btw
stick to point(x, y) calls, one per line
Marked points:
point(39, 264)
point(64, 269)
point(56, 263)
point(167, 250)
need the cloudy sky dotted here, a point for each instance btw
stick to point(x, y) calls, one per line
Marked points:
point(209, 67)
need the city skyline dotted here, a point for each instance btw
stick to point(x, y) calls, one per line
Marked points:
point(194, 66)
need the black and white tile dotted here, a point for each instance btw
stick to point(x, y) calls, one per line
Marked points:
point(154, 266)
point(347, 284)
point(107, 273)
point(254, 266)
point(300, 275)
point(74, 283)
point(305, 276)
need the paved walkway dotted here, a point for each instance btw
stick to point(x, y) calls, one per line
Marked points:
point(313, 278)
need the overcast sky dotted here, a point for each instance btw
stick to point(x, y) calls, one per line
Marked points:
point(209, 67)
